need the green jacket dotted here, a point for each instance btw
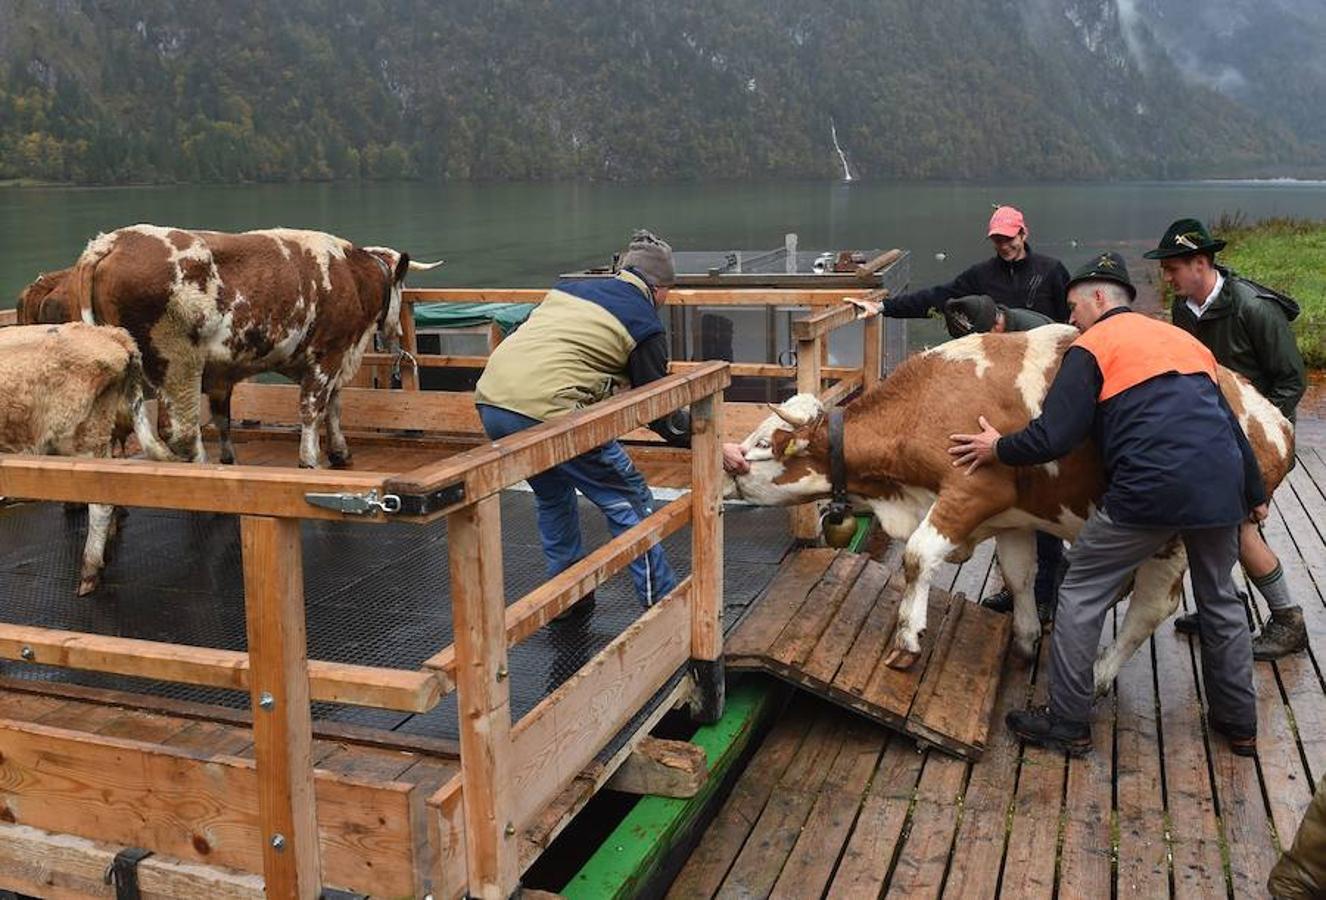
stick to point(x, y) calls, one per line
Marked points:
point(1023, 319)
point(1301, 871)
point(1247, 328)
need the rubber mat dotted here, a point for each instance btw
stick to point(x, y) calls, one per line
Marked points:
point(374, 594)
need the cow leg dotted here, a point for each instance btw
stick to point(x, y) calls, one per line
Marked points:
point(100, 521)
point(218, 403)
point(1017, 563)
point(182, 395)
point(338, 451)
point(1157, 590)
point(926, 549)
point(313, 399)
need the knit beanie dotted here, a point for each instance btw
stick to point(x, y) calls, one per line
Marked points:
point(651, 256)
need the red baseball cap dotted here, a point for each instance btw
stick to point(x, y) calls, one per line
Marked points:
point(1007, 221)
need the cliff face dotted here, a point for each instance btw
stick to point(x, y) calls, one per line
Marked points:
point(143, 90)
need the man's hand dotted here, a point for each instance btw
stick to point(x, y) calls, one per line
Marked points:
point(868, 307)
point(974, 450)
point(1259, 513)
point(734, 461)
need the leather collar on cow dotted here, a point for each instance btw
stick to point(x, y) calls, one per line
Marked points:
point(838, 506)
point(386, 291)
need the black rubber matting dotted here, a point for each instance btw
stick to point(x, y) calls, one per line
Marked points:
point(374, 594)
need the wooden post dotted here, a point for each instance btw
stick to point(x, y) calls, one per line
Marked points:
point(707, 557)
point(805, 522)
point(477, 602)
point(410, 341)
point(282, 725)
point(871, 350)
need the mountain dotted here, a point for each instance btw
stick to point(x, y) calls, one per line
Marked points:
point(151, 90)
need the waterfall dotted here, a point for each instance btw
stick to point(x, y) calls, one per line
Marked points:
point(842, 157)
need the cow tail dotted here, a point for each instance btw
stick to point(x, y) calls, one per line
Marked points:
point(134, 379)
point(80, 293)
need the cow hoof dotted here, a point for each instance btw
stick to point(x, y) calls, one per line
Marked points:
point(901, 659)
point(227, 459)
point(87, 584)
point(74, 508)
point(1026, 648)
point(340, 461)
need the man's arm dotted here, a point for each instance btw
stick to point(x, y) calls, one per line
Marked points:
point(1066, 416)
point(919, 304)
point(649, 362)
point(1277, 355)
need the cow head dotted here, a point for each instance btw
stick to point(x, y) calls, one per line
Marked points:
point(396, 266)
point(45, 301)
point(788, 456)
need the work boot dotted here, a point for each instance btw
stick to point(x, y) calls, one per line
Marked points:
point(1043, 728)
point(1001, 601)
point(1284, 633)
point(1242, 739)
point(579, 610)
point(1186, 624)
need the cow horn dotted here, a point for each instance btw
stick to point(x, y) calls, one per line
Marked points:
point(778, 411)
point(424, 267)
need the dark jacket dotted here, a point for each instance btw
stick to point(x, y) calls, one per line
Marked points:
point(1023, 319)
point(1301, 871)
point(1247, 328)
point(1033, 282)
point(1174, 455)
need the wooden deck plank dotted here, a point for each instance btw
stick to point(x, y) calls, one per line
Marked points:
point(1087, 844)
point(871, 641)
point(760, 862)
point(864, 868)
point(811, 862)
point(779, 602)
point(800, 635)
point(831, 650)
point(923, 860)
point(708, 865)
point(894, 690)
point(207, 739)
point(1143, 863)
point(140, 726)
point(1194, 833)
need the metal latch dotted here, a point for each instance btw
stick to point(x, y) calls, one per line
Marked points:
point(357, 504)
point(122, 873)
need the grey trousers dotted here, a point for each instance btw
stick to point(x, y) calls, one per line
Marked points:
point(1100, 562)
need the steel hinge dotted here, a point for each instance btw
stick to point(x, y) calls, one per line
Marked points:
point(357, 504)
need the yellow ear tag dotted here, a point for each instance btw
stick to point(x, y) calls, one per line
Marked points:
point(790, 450)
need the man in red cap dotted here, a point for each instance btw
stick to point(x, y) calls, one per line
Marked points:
point(1015, 278)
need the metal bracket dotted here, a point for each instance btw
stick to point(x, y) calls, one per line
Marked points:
point(357, 504)
point(423, 504)
point(122, 873)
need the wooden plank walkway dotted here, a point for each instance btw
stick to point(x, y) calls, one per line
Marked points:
point(835, 806)
point(823, 625)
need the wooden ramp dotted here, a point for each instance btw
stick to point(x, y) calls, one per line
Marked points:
point(824, 625)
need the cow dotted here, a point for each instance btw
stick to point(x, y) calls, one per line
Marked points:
point(209, 309)
point(895, 446)
point(65, 387)
point(43, 302)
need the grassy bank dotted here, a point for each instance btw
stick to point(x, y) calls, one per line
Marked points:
point(1290, 256)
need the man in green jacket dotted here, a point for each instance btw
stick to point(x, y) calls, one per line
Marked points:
point(1246, 327)
point(979, 314)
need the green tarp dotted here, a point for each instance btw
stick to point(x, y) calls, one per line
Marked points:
point(466, 315)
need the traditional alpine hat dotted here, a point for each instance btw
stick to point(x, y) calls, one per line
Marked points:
point(1184, 238)
point(1105, 267)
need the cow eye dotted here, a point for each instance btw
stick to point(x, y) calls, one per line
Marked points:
point(764, 444)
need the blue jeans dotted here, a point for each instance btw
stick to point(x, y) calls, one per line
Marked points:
point(610, 480)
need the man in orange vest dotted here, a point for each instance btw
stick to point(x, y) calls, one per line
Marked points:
point(1177, 466)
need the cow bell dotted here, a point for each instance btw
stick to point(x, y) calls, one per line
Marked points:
point(838, 525)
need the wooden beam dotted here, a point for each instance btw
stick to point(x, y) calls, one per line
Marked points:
point(8, 317)
point(282, 724)
point(485, 470)
point(678, 296)
point(266, 491)
point(879, 263)
point(137, 794)
point(410, 341)
point(872, 350)
point(426, 361)
point(805, 525)
point(823, 321)
point(330, 682)
point(563, 733)
point(484, 710)
point(835, 394)
point(363, 408)
point(707, 557)
point(662, 768)
point(537, 608)
point(42, 864)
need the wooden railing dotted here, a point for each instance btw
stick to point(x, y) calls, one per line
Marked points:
point(510, 771)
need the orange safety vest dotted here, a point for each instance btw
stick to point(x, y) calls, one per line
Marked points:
point(1131, 348)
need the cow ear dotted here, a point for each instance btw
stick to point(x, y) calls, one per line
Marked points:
point(402, 268)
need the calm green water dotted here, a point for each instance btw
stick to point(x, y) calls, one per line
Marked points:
point(522, 235)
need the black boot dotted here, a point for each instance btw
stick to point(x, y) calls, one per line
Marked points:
point(1043, 728)
point(1001, 601)
point(1284, 633)
point(1242, 739)
point(1186, 624)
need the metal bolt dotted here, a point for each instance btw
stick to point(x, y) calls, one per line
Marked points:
point(278, 843)
point(502, 672)
point(510, 829)
point(28, 654)
point(268, 703)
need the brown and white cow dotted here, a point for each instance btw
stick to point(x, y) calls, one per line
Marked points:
point(65, 386)
point(896, 440)
point(44, 302)
point(209, 309)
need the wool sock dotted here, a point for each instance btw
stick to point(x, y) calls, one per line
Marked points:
point(1275, 589)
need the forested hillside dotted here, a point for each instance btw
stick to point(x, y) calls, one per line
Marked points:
point(95, 91)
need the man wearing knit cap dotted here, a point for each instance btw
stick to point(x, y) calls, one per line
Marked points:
point(1246, 326)
point(587, 339)
point(1015, 278)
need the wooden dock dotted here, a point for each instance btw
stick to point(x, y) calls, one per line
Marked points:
point(834, 805)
